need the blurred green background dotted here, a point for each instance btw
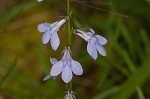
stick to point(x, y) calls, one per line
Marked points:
point(123, 74)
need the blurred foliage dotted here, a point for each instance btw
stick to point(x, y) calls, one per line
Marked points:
point(123, 74)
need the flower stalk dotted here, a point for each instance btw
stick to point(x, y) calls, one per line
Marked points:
point(69, 34)
point(68, 15)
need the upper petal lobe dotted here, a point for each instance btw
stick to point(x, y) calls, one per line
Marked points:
point(101, 40)
point(42, 27)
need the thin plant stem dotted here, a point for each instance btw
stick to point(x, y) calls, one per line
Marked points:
point(68, 15)
point(70, 85)
point(69, 35)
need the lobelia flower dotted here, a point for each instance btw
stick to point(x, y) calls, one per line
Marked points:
point(50, 32)
point(95, 43)
point(66, 65)
point(69, 95)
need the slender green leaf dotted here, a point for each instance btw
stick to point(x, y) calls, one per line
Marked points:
point(138, 78)
point(140, 93)
point(15, 11)
point(10, 70)
point(107, 93)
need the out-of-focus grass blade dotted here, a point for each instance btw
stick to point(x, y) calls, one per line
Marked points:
point(15, 11)
point(128, 41)
point(139, 77)
point(10, 70)
point(119, 67)
point(140, 93)
point(42, 58)
point(76, 23)
point(132, 69)
point(148, 1)
point(128, 61)
point(126, 34)
point(104, 74)
point(117, 32)
point(145, 39)
point(107, 93)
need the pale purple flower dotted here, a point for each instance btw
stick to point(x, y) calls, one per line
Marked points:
point(39, 0)
point(50, 32)
point(69, 95)
point(66, 65)
point(53, 61)
point(95, 43)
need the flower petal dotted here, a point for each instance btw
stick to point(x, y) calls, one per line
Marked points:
point(100, 49)
point(45, 37)
point(66, 74)
point(43, 27)
point(39, 0)
point(76, 67)
point(47, 77)
point(69, 95)
point(91, 48)
point(101, 40)
point(60, 23)
point(84, 35)
point(53, 60)
point(92, 30)
point(57, 68)
point(54, 23)
point(54, 41)
point(57, 25)
point(54, 77)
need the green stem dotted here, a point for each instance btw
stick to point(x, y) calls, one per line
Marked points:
point(68, 15)
point(69, 33)
point(70, 85)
